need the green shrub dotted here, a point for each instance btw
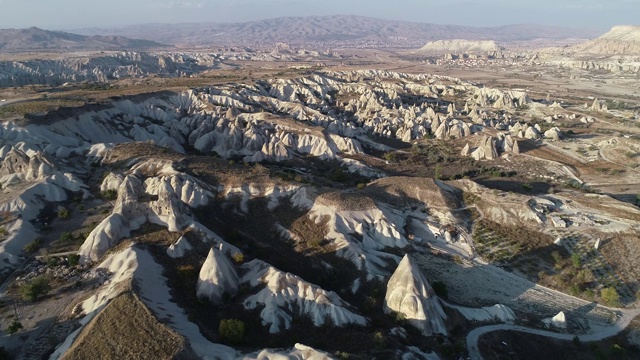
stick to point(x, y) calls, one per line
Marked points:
point(63, 213)
point(73, 259)
point(35, 288)
point(238, 257)
point(610, 296)
point(14, 326)
point(380, 340)
point(110, 194)
point(391, 157)
point(231, 331)
point(53, 261)
point(32, 246)
point(66, 237)
point(575, 260)
point(338, 175)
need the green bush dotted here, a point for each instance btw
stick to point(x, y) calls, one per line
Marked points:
point(73, 259)
point(63, 213)
point(610, 296)
point(66, 236)
point(238, 257)
point(35, 288)
point(380, 340)
point(338, 175)
point(53, 261)
point(391, 157)
point(110, 194)
point(32, 246)
point(231, 331)
point(14, 326)
point(575, 260)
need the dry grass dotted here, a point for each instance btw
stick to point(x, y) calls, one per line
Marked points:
point(36, 107)
point(622, 252)
point(347, 201)
point(421, 190)
point(126, 329)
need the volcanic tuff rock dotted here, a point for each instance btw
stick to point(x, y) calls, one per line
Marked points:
point(103, 68)
point(460, 46)
point(620, 40)
point(285, 295)
point(410, 295)
point(217, 277)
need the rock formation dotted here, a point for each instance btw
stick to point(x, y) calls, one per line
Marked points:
point(410, 296)
point(217, 277)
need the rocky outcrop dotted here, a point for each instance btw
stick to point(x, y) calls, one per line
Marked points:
point(410, 296)
point(283, 296)
point(460, 46)
point(217, 277)
point(554, 134)
point(486, 149)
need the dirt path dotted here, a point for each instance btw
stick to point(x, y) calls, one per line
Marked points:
point(620, 325)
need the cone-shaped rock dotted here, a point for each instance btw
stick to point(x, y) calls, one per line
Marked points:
point(217, 276)
point(409, 294)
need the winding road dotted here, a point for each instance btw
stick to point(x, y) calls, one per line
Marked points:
point(620, 325)
point(625, 316)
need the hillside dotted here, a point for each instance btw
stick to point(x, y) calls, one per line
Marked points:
point(338, 28)
point(38, 39)
point(620, 40)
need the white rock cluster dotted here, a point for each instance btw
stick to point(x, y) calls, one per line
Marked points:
point(410, 295)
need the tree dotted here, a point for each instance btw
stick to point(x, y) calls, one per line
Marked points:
point(32, 246)
point(438, 172)
point(231, 331)
point(14, 326)
point(610, 296)
point(73, 259)
point(63, 213)
point(35, 288)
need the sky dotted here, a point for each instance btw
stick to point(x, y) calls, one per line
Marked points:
point(73, 14)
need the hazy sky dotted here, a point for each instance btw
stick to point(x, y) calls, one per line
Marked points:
point(69, 14)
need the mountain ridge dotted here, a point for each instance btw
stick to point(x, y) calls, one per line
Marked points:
point(334, 28)
point(34, 38)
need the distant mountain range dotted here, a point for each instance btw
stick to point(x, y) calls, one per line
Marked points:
point(38, 39)
point(335, 30)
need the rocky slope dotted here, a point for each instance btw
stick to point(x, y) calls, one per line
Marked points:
point(620, 40)
point(617, 51)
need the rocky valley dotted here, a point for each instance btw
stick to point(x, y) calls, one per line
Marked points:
point(468, 199)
